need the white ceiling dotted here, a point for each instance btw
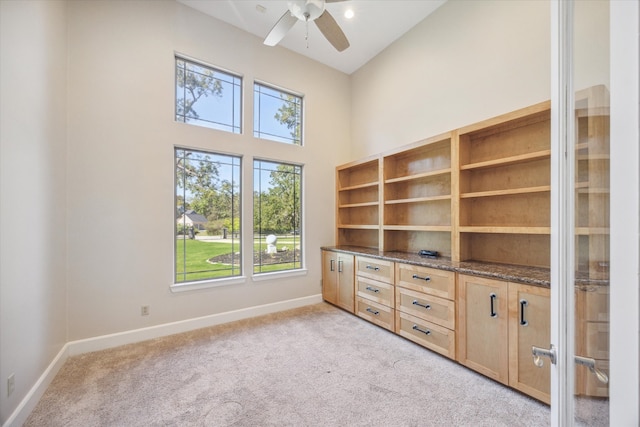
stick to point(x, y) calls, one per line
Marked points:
point(376, 24)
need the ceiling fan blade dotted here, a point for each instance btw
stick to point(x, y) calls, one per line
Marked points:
point(281, 29)
point(331, 30)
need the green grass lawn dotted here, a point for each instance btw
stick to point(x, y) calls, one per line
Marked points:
point(192, 256)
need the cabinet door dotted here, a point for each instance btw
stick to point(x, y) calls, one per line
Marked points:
point(346, 283)
point(529, 325)
point(483, 326)
point(330, 276)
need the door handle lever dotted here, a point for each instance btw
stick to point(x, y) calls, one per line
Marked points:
point(539, 353)
point(591, 364)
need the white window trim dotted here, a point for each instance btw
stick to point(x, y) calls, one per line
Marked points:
point(206, 284)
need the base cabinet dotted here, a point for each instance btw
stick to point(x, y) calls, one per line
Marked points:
point(498, 323)
point(375, 299)
point(483, 329)
point(338, 286)
point(529, 325)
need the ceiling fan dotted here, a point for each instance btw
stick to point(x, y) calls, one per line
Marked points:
point(305, 11)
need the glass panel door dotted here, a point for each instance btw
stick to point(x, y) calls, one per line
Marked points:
point(591, 212)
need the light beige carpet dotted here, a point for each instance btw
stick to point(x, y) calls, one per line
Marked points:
point(313, 366)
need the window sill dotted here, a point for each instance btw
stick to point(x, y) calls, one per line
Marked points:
point(259, 277)
point(205, 284)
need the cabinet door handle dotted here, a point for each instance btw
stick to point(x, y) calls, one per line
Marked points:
point(369, 288)
point(523, 304)
point(415, 276)
point(372, 311)
point(424, 331)
point(339, 266)
point(492, 298)
point(332, 265)
point(426, 306)
point(371, 267)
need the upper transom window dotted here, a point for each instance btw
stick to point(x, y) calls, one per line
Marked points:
point(277, 115)
point(208, 97)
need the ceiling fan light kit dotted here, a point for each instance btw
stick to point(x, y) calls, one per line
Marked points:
point(305, 11)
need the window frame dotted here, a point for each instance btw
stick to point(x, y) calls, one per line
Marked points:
point(258, 134)
point(210, 281)
point(299, 237)
point(236, 110)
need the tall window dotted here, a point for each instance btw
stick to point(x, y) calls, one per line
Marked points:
point(277, 216)
point(208, 97)
point(277, 115)
point(207, 215)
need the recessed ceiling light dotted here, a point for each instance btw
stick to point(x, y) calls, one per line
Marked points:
point(260, 8)
point(349, 14)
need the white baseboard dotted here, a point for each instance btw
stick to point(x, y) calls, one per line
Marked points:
point(20, 415)
point(73, 348)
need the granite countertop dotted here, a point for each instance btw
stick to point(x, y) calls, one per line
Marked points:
point(536, 276)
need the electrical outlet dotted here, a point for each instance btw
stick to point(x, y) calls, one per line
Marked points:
point(144, 310)
point(11, 384)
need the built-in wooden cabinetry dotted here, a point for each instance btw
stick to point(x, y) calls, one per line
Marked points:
point(505, 189)
point(426, 308)
point(480, 196)
point(417, 179)
point(375, 299)
point(357, 204)
point(338, 279)
point(498, 323)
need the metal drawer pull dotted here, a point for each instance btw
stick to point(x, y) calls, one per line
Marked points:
point(415, 276)
point(371, 267)
point(332, 265)
point(591, 364)
point(523, 304)
point(492, 298)
point(426, 306)
point(372, 311)
point(369, 288)
point(339, 266)
point(424, 331)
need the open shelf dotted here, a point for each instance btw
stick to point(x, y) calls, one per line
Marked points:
point(511, 160)
point(418, 199)
point(541, 189)
point(418, 176)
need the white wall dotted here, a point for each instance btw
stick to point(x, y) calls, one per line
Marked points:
point(468, 61)
point(121, 138)
point(32, 184)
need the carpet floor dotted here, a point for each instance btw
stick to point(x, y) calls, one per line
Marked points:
point(312, 366)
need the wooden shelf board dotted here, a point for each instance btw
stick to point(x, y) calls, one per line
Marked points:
point(589, 231)
point(584, 157)
point(521, 158)
point(446, 228)
point(418, 199)
point(358, 226)
point(505, 230)
point(358, 205)
point(587, 190)
point(359, 186)
point(418, 176)
point(492, 193)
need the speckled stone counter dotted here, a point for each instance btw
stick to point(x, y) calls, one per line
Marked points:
point(535, 276)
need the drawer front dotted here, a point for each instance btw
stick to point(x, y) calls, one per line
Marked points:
point(376, 313)
point(376, 269)
point(376, 291)
point(428, 307)
point(431, 281)
point(434, 337)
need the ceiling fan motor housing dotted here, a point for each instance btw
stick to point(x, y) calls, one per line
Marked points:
point(306, 10)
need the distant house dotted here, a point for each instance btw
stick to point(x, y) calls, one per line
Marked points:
point(193, 219)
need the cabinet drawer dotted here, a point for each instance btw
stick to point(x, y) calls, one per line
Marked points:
point(427, 334)
point(376, 269)
point(376, 291)
point(376, 313)
point(432, 281)
point(428, 307)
